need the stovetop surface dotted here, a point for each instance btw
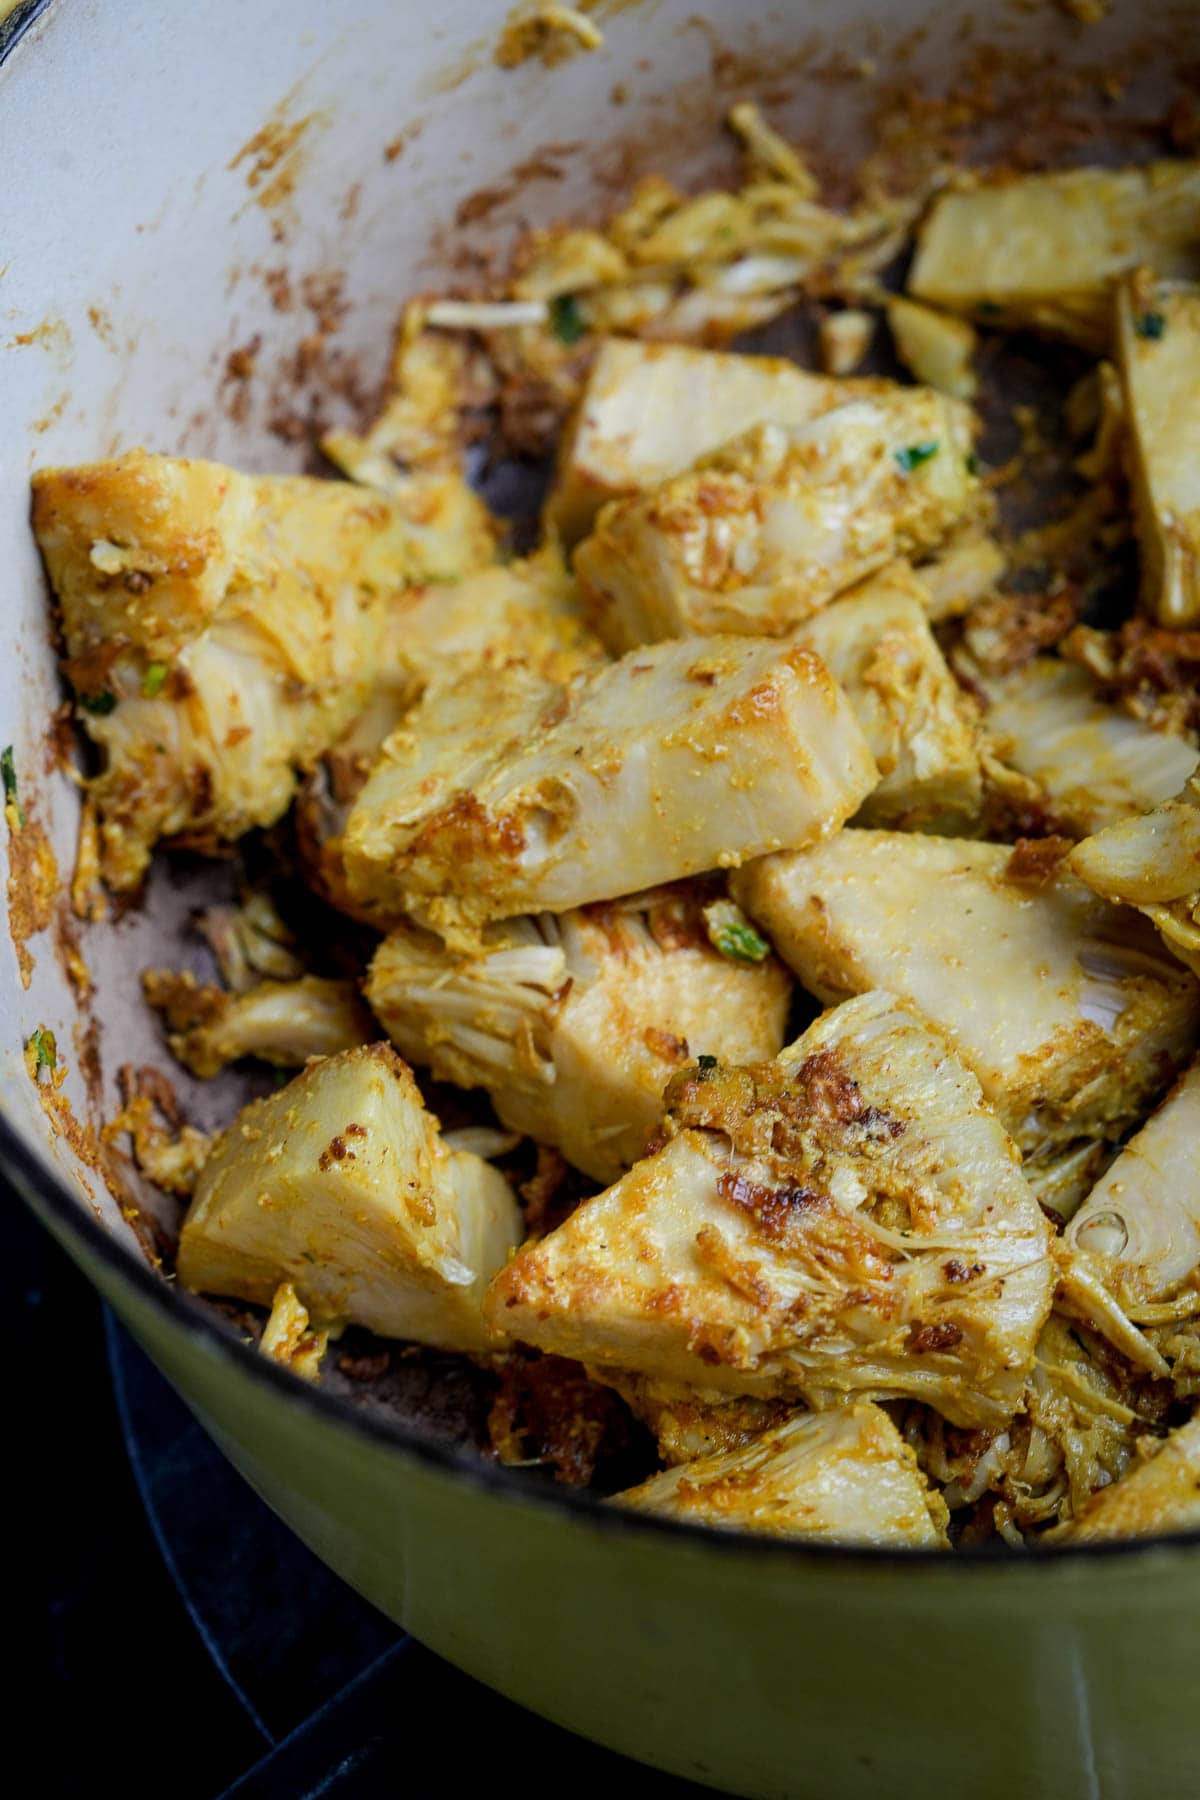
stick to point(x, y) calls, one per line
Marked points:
point(177, 1633)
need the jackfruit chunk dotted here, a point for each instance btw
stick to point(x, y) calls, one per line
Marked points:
point(849, 1219)
point(222, 630)
point(1158, 348)
point(507, 794)
point(1163, 1495)
point(1067, 1009)
point(845, 1476)
point(1045, 251)
point(1134, 1246)
point(920, 727)
point(935, 347)
point(574, 1022)
point(762, 533)
point(340, 1184)
point(1153, 863)
point(649, 410)
point(280, 1022)
point(1092, 764)
point(686, 1424)
point(525, 611)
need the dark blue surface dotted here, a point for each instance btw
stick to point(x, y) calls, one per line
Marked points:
point(340, 1702)
point(174, 1638)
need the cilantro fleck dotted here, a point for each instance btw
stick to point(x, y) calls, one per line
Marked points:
point(990, 309)
point(45, 1049)
point(566, 320)
point(913, 455)
point(972, 463)
point(100, 703)
point(1150, 325)
point(707, 1062)
point(152, 680)
point(8, 774)
point(741, 943)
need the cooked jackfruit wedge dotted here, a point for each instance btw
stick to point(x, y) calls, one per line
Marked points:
point(1045, 251)
point(920, 727)
point(1163, 1495)
point(1092, 764)
point(964, 571)
point(1135, 1244)
point(687, 1425)
point(575, 1022)
point(222, 629)
point(525, 611)
point(340, 1184)
point(1067, 1009)
point(935, 347)
point(1153, 862)
point(850, 1219)
point(845, 1476)
point(764, 532)
point(1158, 349)
point(649, 410)
point(449, 529)
point(507, 794)
point(280, 1022)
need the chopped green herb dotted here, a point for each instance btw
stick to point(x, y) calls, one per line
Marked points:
point(913, 455)
point(8, 774)
point(45, 1049)
point(972, 463)
point(1150, 324)
point(566, 320)
point(741, 943)
point(100, 703)
point(990, 309)
point(152, 680)
point(707, 1062)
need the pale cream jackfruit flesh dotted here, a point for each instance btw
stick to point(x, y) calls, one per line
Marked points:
point(1067, 1009)
point(574, 1022)
point(1131, 1254)
point(650, 410)
point(686, 1424)
point(507, 794)
point(1045, 251)
point(963, 572)
point(280, 1022)
point(850, 1219)
point(1158, 349)
point(935, 347)
point(764, 532)
point(222, 630)
point(340, 1184)
point(1092, 765)
point(1153, 862)
point(450, 531)
point(1163, 1495)
point(845, 1477)
point(920, 727)
point(524, 611)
